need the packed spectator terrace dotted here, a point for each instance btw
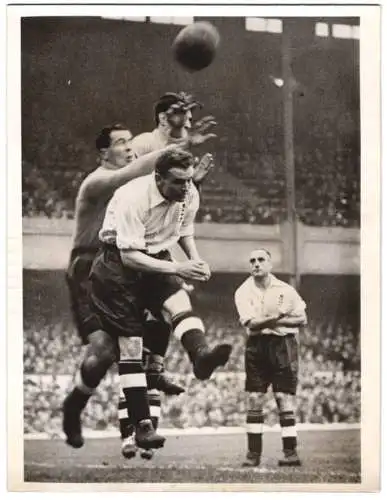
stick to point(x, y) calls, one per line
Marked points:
point(329, 362)
point(67, 99)
point(329, 389)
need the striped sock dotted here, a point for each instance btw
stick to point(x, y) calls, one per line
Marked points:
point(125, 417)
point(289, 431)
point(189, 329)
point(154, 400)
point(134, 386)
point(254, 428)
point(125, 421)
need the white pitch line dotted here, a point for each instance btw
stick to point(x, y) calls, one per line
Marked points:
point(194, 431)
point(242, 470)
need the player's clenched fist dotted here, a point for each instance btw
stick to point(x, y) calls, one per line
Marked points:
point(194, 270)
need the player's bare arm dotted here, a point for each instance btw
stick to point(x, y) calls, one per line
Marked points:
point(188, 245)
point(140, 261)
point(110, 180)
point(257, 324)
point(297, 320)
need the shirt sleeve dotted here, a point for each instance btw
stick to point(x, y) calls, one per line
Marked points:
point(187, 227)
point(297, 305)
point(130, 230)
point(142, 144)
point(243, 306)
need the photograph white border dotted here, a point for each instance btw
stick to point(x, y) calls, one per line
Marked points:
point(370, 233)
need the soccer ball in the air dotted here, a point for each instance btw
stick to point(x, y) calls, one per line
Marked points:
point(194, 48)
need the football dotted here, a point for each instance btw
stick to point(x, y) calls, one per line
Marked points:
point(195, 46)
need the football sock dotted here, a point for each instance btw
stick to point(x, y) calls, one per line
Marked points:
point(254, 428)
point(288, 430)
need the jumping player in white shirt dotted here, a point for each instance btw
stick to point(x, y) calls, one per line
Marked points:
point(173, 114)
point(117, 167)
point(134, 271)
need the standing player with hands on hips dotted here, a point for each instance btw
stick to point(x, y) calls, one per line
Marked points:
point(272, 312)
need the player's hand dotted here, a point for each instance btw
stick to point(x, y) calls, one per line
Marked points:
point(270, 322)
point(259, 324)
point(206, 269)
point(188, 287)
point(194, 270)
point(203, 168)
point(200, 131)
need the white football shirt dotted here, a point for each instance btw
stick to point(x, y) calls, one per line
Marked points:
point(253, 302)
point(138, 217)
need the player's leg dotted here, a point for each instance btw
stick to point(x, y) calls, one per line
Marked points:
point(164, 293)
point(154, 400)
point(156, 336)
point(127, 427)
point(256, 385)
point(156, 339)
point(117, 306)
point(127, 424)
point(101, 351)
point(189, 329)
point(285, 355)
point(134, 387)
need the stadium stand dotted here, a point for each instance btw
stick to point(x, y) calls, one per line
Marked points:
point(249, 151)
point(327, 195)
point(330, 365)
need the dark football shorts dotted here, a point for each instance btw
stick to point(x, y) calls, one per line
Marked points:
point(271, 360)
point(119, 295)
point(77, 277)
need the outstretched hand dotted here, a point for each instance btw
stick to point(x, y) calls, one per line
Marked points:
point(198, 134)
point(200, 131)
point(203, 167)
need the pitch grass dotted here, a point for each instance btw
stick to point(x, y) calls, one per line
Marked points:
point(327, 456)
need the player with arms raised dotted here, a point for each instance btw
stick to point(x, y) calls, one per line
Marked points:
point(117, 167)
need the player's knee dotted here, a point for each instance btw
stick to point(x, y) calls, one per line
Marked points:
point(94, 366)
point(131, 348)
point(103, 348)
point(256, 400)
point(285, 402)
point(177, 304)
point(186, 322)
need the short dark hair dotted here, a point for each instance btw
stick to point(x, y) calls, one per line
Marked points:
point(167, 100)
point(173, 158)
point(103, 140)
point(261, 249)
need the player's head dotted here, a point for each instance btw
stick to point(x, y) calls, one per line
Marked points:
point(174, 111)
point(113, 144)
point(174, 172)
point(260, 263)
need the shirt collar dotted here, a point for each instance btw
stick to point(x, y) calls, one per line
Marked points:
point(156, 198)
point(162, 135)
point(274, 282)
